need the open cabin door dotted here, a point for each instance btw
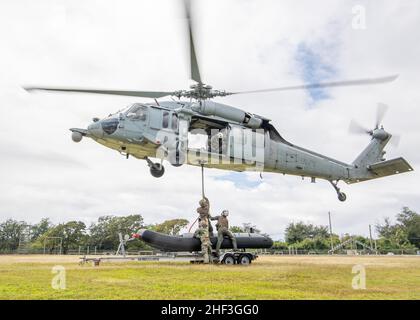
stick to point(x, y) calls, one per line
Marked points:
point(208, 140)
point(247, 145)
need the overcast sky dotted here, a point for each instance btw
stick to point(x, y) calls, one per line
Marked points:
point(241, 45)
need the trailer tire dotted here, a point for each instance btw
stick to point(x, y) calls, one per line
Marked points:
point(229, 260)
point(244, 260)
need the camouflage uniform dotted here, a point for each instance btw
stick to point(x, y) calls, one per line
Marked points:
point(223, 230)
point(203, 232)
point(204, 212)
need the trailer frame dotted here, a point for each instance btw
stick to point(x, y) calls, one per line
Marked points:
point(228, 258)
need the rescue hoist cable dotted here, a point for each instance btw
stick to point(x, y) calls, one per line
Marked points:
point(202, 180)
point(202, 192)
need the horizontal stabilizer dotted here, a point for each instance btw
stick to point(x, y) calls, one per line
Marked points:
point(386, 168)
point(390, 167)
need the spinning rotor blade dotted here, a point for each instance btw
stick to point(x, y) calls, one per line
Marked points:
point(356, 128)
point(395, 140)
point(380, 113)
point(195, 71)
point(357, 82)
point(145, 94)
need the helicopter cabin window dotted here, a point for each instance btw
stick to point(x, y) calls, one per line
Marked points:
point(137, 112)
point(174, 121)
point(165, 119)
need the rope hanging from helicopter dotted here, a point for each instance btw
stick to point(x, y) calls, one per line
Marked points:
point(202, 194)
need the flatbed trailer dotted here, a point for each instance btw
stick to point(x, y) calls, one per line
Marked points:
point(228, 258)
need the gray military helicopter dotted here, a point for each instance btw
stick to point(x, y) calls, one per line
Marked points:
point(162, 129)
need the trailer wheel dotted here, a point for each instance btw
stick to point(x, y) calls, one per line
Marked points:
point(229, 260)
point(244, 260)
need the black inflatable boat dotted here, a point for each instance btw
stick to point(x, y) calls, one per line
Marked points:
point(188, 243)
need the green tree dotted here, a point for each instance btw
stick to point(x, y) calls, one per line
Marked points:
point(171, 227)
point(236, 229)
point(402, 235)
point(104, 233)
point(410, 222)
point(10, 233)
point(72, 235)
point(279, 245)
point(297, 232)
point(40, 228)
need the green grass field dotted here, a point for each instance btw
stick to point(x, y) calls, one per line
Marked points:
point(301, 277)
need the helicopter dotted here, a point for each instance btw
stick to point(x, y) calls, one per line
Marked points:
point(235, 139)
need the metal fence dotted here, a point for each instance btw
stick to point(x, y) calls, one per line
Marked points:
point(294, 251)
point(81, 251)
point(77, 251)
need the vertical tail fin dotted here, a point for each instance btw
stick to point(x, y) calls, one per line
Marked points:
point(373, 153)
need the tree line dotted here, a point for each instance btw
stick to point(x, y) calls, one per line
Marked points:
point(404, 234)
point(71, 235)
point(103, 234)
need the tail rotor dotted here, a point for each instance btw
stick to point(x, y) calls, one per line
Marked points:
point(378, 131)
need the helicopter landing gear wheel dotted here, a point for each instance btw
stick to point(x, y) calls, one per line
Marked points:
point(341, 195)
point(156, 169)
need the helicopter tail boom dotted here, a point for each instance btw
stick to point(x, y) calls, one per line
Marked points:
point(370, 164)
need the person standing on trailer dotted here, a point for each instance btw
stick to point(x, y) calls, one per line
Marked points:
point(203, 233)
point(222, 227)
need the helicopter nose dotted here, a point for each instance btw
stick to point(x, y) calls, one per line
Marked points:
point(95, 130)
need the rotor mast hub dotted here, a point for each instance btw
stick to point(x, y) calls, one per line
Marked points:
point(200, 91)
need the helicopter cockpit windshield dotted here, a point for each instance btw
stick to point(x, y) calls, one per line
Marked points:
point(137, 112)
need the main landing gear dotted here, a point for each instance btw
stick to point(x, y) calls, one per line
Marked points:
point(156, 169)
point(341, 195)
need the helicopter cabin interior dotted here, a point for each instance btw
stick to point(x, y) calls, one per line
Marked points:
point(229, 140)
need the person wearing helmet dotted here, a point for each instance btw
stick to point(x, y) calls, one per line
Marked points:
point(204, 212)
point(222, 227)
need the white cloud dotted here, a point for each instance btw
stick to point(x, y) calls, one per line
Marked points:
point(242, 45)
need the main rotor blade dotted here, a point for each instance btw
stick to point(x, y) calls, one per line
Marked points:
point(357, 82)
point(356, 128)
point(195, 71)
point(380, 113)
point(144, 94)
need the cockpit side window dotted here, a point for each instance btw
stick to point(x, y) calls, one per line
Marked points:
point(137, 112)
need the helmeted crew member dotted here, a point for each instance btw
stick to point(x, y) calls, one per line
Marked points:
point(204, 212)
point(222, 226)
